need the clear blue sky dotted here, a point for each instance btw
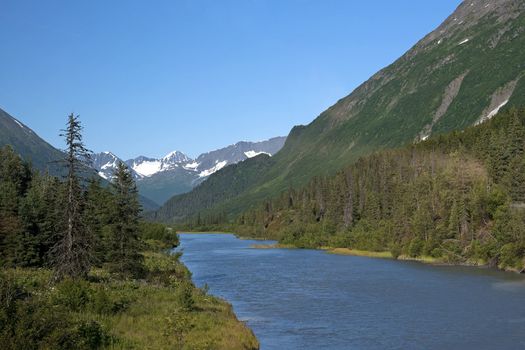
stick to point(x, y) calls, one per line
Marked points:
point(149, 77)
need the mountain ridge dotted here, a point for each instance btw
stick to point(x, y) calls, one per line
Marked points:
point(455, 76)
point(175, 173)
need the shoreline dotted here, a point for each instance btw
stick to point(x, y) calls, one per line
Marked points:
point(428, 260)
point(364, 253)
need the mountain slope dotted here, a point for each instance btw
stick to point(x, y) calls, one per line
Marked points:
point(460, 74)
point(28, 144)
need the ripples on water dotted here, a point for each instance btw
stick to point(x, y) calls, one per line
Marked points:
point(307, 299)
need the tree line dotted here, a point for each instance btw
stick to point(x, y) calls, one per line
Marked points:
point(69, 224)
point(459, 197)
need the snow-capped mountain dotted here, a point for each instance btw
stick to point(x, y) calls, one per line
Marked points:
point(208, 163)
point(175, 173)
point(146, 167)
point(106, 163)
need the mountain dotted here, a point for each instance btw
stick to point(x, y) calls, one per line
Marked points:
point(228, 183)
point(28, 144)
point(175, 173)
point(41, 154)
point(459, 75)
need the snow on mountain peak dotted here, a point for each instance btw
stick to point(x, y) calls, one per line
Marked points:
point(147, 167)
point(176, 157)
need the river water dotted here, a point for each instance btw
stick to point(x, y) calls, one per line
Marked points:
point(308, 299)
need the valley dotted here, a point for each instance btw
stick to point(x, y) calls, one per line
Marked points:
point(394, 219)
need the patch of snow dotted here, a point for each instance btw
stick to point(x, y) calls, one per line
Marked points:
point(464, 41)
point(109, 165)
point(191, 166)
point(440, 41)
point(102, 175)
point(251, 154)
point(19, 124)
point(493, 112)
point(148, 168)
point(424, 138)
point(218, 166)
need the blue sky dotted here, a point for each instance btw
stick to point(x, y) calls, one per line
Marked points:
point(149, 77)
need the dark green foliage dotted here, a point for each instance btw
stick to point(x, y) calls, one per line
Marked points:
point(158, 232)
point(123, 243)
point(455, 197)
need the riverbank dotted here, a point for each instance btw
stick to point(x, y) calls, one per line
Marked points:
point(354, 252)
point(372, 254)
point(164, 310)
point(386, 255)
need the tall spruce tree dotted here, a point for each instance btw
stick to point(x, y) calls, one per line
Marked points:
point(71, 255)
point(124, 245)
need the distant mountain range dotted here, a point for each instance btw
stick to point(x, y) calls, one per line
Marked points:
point(175, 173)
point(460, 74)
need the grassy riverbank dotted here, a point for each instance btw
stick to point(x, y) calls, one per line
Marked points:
point(380, 255)
point(162, 311)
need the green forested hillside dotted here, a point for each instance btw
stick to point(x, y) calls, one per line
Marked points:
point(456, 197)
point(29, 145)
point(461, 73)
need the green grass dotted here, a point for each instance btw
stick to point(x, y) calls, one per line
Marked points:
point(273, 246)
point(143, 314)
point(357, 252)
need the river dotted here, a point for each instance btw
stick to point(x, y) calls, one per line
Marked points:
point(308, 299)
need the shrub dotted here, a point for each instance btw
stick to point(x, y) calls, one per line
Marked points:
point(91, 335)
point(395, 250)
point(158, 232)
point(74, 294)
point(415, 248)
point(184, 296)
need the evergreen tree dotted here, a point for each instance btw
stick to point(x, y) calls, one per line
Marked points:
point(98, 214)
point(124, 244)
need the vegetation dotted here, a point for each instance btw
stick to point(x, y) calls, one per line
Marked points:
point(81, 271)
point(458, 198)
